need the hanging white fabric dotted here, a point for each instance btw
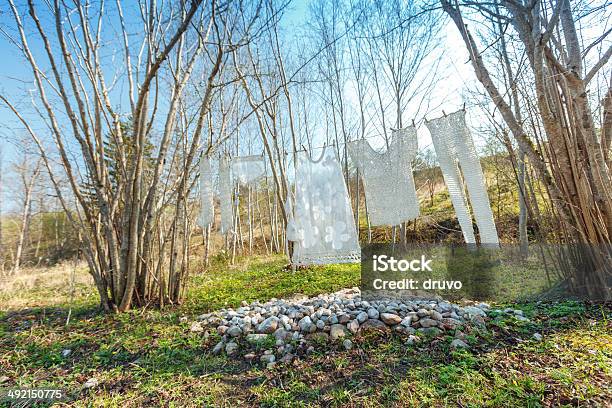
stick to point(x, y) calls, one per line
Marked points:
point(247, 170)
point(387, 177)
point(454, 145)
point(323, 226)
point(225, 195)
point(207, 208)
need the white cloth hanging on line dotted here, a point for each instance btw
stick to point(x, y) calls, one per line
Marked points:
point(248, 170)
point(207, 208)
point(387, 177)
point(454, 145)
point(322, 225)
point(225, 195)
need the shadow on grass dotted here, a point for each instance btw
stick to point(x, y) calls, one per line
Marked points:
point(153, 352)
point(382, 369)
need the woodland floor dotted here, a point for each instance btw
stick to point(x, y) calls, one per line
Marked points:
point(150, 358)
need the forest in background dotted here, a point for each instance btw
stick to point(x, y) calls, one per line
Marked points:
point(120, 117)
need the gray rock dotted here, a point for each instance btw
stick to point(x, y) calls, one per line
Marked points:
point(249, 356)
point(445, 307)
point(373, 324)
point(218, 347)
point(436, 315)
point(280, 334)
point(450, 324)
point(196, 327)
point(320, 324)
point(344, 319)
point(474, 311)
point(337, 331)
point(91, 383)
point(353, 326)
point(269, 325)
point(390, 318)
point(3, 379)
point(459, 344)
point(234, 331)
point(373, 313)
point(362, 317)
point(522, 319)
point(478, 321)
point(426, 322)
point(66, 352)
point(347, 344)
point(231, 348)
point(324, 312)
point(406, 321)
point(411, 340)
point(306, 324)
point(518, 312)
point(537, 337)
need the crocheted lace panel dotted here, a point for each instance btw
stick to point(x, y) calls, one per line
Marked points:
point(322, 224)
point(247, 170)
point(387, 178)
point(225, 195)
point(207, 208)
point(454, 145)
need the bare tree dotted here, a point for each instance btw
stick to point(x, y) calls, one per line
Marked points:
point(2, 251)
point(28, 174)
point(572, 159)
point(136, 167)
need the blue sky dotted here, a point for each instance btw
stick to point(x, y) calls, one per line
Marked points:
point(14, 70)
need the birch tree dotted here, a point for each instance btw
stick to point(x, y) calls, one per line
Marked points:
point(572, 161)
point(134, 223)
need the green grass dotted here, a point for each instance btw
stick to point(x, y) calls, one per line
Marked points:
point(264, 278)
point(150, 358)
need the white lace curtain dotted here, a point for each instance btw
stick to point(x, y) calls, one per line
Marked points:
point(324, 227)
point(454, 146)
point(207, 208)
point(387, 177)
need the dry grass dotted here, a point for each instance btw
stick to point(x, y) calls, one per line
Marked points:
point(46, 286)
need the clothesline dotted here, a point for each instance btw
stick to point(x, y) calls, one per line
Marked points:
point(377, 135)
point(325, 145)
point(320, 218)
point(305, 149)
point(333, 143)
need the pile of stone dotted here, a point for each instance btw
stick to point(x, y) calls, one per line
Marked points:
point(288, 327)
